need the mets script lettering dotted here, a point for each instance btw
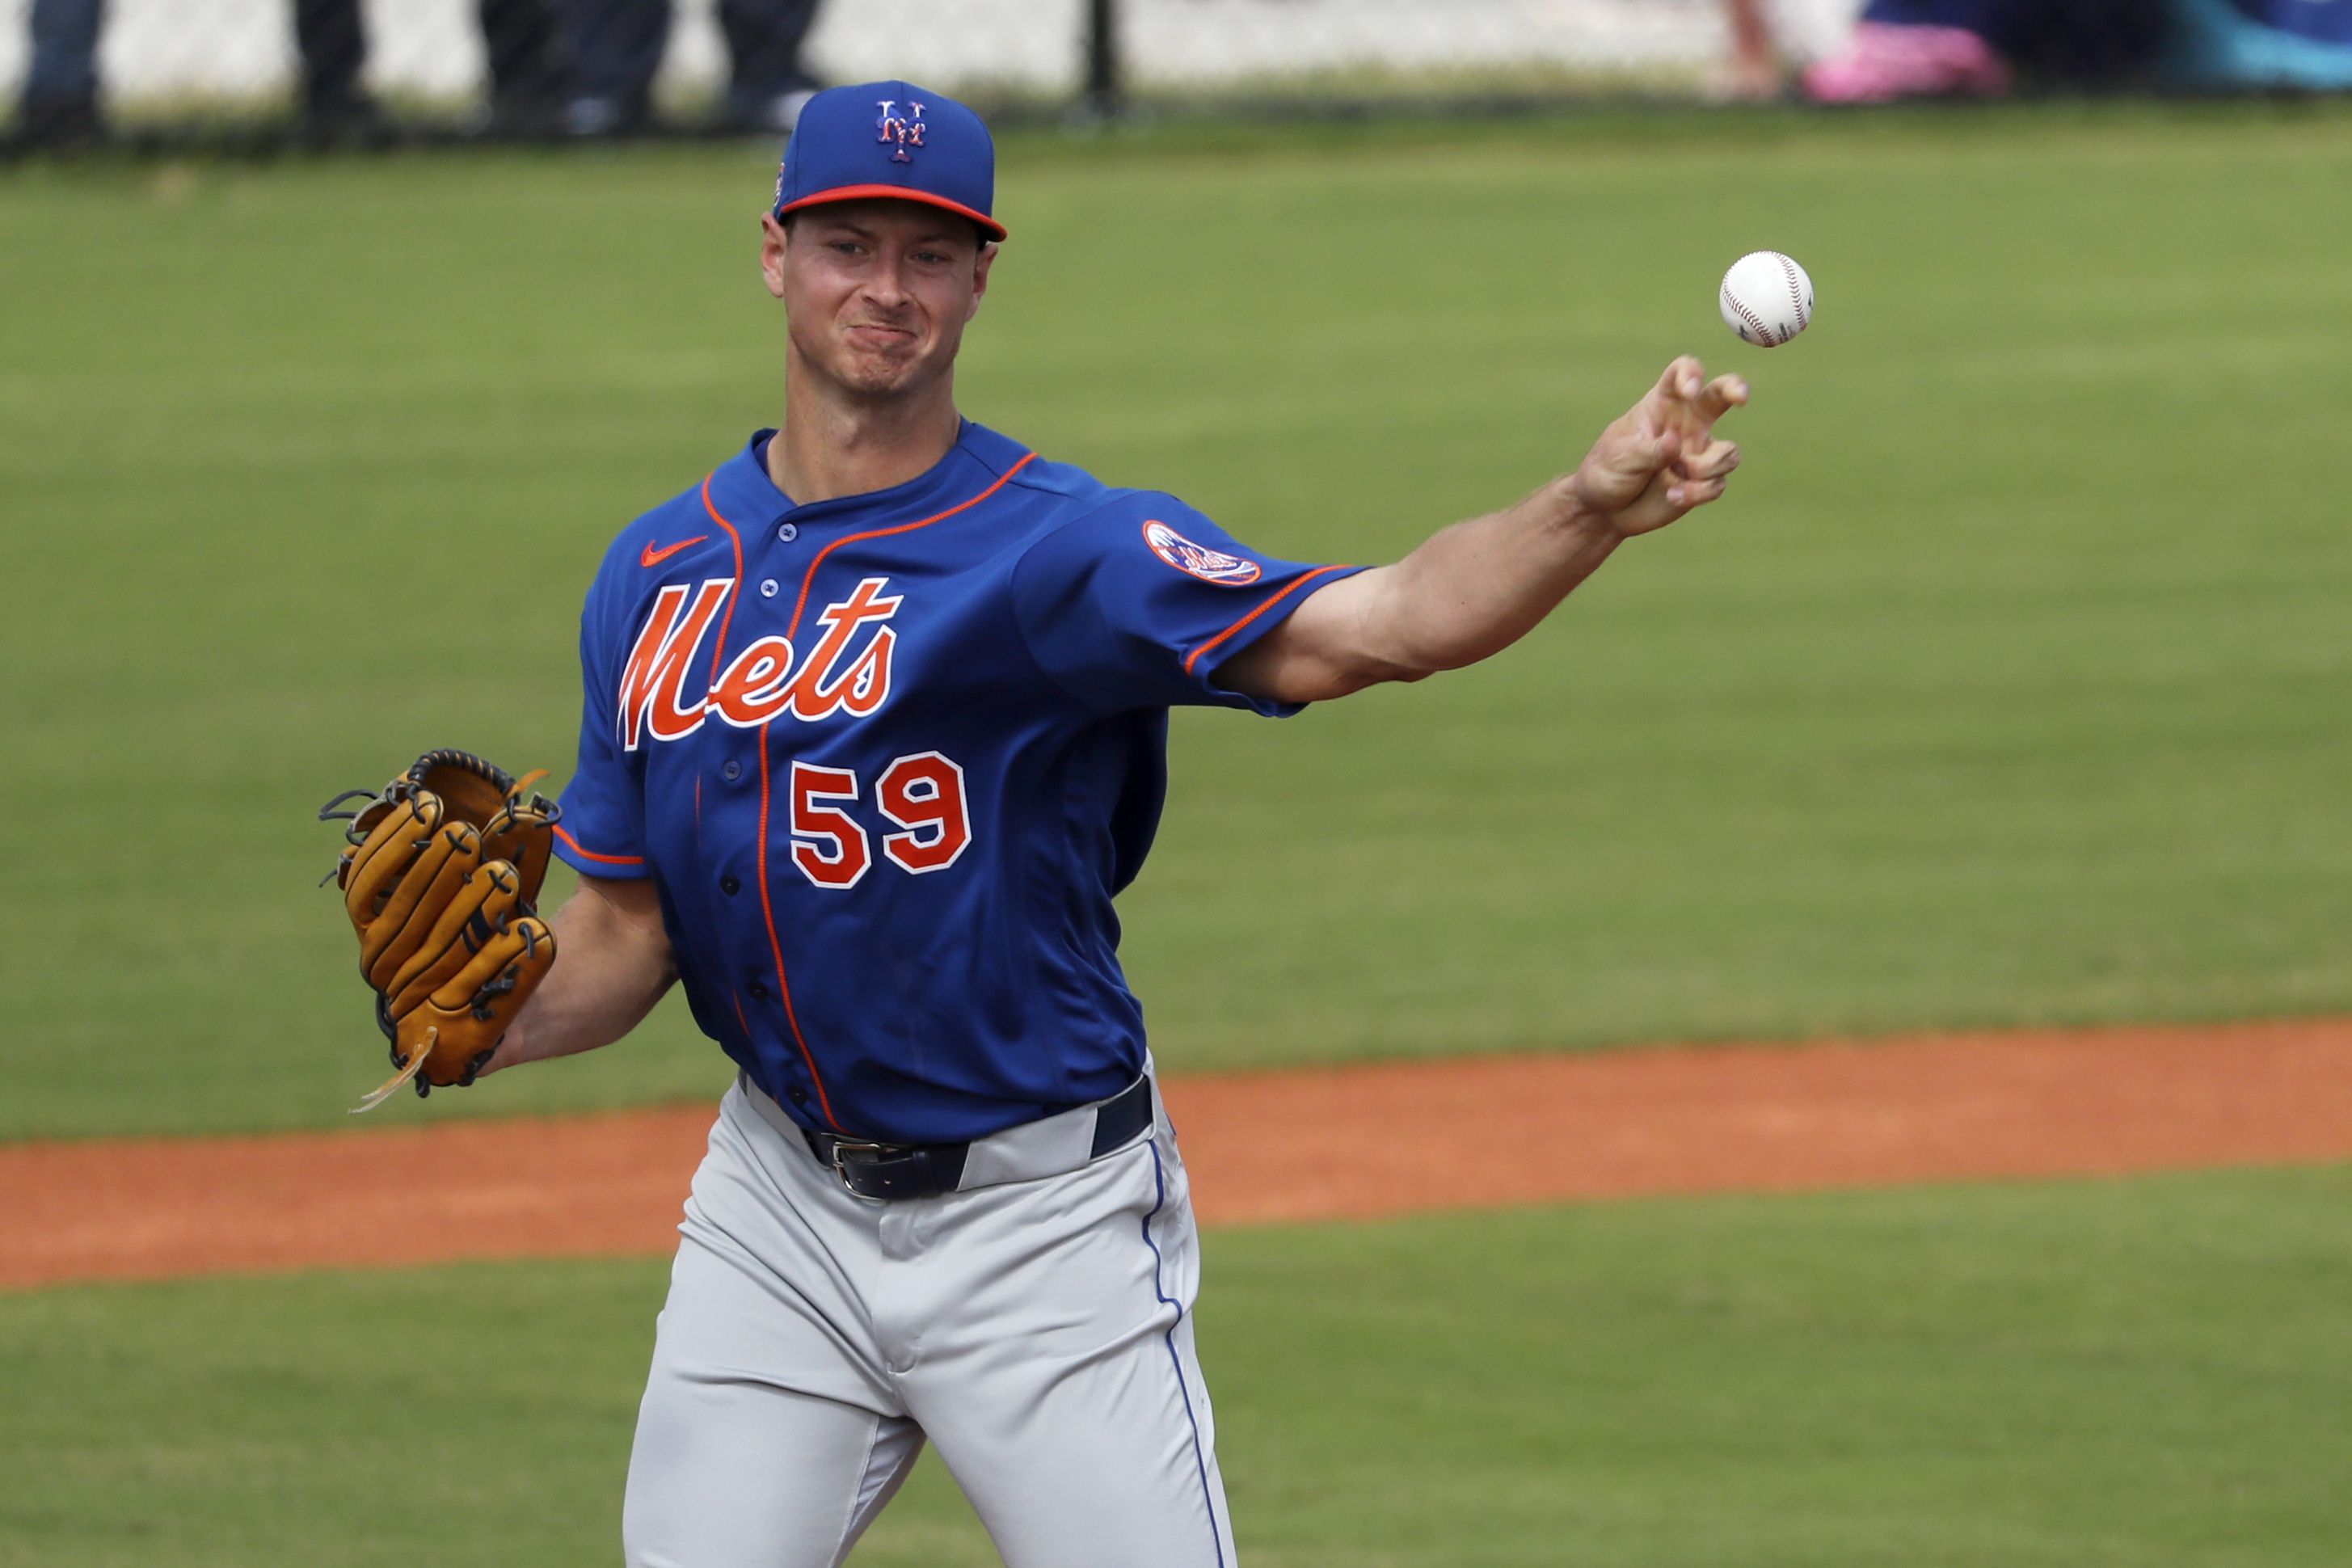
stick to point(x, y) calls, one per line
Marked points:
point(660, 692)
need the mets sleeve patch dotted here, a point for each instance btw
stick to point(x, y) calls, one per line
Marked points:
point(1198, 559)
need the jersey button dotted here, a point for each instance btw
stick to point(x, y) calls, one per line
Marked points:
point(730, 886)
point(797, 1096)
point(731, 770)
point(787, 531)
point(768, 588)
point(756, 991)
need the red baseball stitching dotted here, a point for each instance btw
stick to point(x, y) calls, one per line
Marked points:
point(1796, 294)
point(1748, 316)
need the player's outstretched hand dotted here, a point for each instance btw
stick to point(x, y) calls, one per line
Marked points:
point(1662, 458)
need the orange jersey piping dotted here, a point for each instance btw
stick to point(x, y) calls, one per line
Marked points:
point(719, 653)
point(809, 580)
point(1194, 658)
point(776, 948)
point(587, 854)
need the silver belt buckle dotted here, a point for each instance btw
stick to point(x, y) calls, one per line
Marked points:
point(841, 1167)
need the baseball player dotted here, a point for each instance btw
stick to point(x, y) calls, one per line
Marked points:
point(873, 733)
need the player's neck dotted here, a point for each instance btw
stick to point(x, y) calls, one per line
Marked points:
point(830, 446)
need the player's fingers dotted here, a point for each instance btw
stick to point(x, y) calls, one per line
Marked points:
point(1644, 451)
point(1689, 493)
point(1658, 453)
point(1682, 380)
point(1712, 461)
point(1721, 396)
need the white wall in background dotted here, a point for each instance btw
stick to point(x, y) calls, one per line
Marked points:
point(239, 47)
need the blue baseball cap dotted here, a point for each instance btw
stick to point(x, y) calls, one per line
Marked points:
point(890, 138)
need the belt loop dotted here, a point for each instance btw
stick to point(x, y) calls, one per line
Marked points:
point(1118, 1119)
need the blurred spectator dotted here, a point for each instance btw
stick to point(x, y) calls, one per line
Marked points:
point(333, 47)
point(527, 88)
point(2302, 45)
point(1903, 48)
point(1922, 48)
point(617, 45)
point(520, 35)
point(1752, 73)
point(59, 106)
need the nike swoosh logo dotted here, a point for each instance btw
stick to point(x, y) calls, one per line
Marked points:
point(653, 557)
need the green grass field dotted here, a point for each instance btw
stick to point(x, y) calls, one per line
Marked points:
point(2142, 1374)
point(2007, 689)
point(1999, 692)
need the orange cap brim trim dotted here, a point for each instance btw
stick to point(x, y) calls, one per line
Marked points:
point(989, 226)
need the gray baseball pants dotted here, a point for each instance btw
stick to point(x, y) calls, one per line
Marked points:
point(1038, 1330)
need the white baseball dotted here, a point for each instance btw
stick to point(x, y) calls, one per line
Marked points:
point(1766, 299)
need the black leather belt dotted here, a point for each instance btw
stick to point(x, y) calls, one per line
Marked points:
point(890, 1171)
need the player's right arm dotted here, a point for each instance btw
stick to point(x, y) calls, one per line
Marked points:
point(612, 964)
point(1476, 587)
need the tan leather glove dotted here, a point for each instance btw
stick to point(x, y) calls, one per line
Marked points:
point(441, 879)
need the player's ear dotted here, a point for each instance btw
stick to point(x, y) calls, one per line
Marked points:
point(980, 266)
point(774, 237)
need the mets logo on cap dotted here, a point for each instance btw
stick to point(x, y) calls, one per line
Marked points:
point(1198, 559)
point(906, 130)
point(890, 140)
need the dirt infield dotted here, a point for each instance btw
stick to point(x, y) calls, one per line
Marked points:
point(1355, 1143)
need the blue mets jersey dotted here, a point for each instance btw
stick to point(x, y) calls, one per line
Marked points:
point(888, 758)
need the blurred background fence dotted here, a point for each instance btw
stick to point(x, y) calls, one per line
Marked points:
point(384, 69)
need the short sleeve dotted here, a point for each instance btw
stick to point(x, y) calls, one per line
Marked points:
point(602, 831)
point(1137, 603)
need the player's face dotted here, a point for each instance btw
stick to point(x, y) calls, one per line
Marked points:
point(877, 293)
